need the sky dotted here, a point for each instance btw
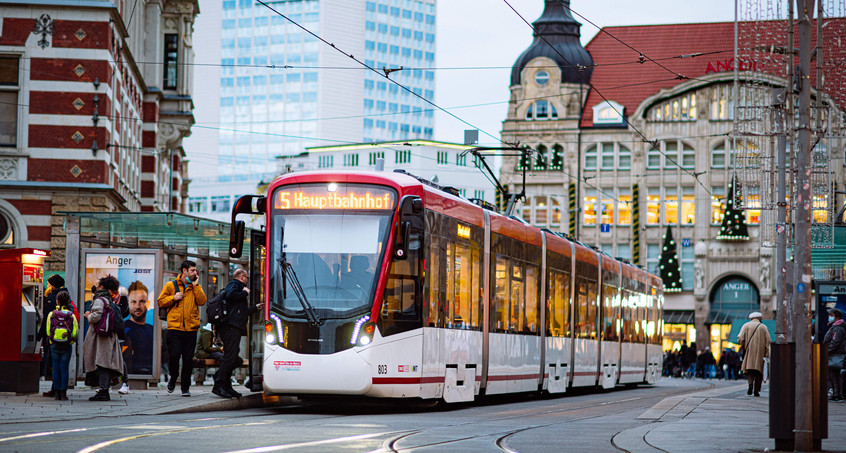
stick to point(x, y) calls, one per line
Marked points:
point(489, 34)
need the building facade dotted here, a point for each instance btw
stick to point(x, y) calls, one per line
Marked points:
point(630, 143)
point(282, 90)
point(94, 102)
point(445, 164)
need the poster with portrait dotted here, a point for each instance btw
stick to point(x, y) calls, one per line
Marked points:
point(138, 273)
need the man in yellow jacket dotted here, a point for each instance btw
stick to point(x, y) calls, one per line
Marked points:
point(182, 298)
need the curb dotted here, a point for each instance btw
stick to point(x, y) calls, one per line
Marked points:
point(251, 401)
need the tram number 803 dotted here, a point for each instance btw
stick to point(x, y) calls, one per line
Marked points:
point(382, 369)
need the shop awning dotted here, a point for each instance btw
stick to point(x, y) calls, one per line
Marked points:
point(678, 317)
point(738, 324)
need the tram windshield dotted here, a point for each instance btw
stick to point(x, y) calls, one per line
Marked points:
point(327, 243)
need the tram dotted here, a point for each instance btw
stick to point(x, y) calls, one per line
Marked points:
point(382, 284)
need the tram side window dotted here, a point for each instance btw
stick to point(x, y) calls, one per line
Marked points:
point(518, 320)
point(639, 319)
point(610, 309)
point(558, 321)
point(628, 316)
point(532, 296)
point(400, 306)
point(656, 320)
point(462, 273)
point(501, 315)
point(436, 309)
point(586, 309)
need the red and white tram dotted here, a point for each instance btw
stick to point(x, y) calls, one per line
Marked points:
point(381, 285)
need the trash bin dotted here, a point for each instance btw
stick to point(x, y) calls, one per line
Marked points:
point(783, 395)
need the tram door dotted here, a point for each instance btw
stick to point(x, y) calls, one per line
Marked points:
point(255, 334)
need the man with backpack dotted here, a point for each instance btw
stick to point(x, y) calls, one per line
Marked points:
point(101, 347)
point(61, 332)
point(181, 299)
point(231, 329)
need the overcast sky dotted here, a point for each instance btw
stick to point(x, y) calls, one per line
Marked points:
point(488, 33)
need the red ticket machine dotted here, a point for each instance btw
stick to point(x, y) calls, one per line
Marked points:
point(20, 316)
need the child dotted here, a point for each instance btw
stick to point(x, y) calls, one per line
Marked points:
point(61, 331)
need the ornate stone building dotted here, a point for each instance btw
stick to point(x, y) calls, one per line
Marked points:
point(631, 136)
point(94, 102)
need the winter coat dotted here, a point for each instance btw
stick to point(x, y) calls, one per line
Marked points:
point(101, 350)
point(835, 338)
point(754, 337)
point(184, 314)
point(205, 344)
point(239, 309)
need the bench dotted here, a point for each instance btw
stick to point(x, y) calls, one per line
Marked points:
point(201, 367)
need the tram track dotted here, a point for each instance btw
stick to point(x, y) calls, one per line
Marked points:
point(396, 437)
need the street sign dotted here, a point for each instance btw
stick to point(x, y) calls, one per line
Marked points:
point(685, 242)
point(604, 228)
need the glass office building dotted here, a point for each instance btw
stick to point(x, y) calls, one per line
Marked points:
point(282, 89)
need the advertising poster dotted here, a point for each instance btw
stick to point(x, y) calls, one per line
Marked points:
point(138, 274)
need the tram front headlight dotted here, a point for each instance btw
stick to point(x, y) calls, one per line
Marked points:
point(367, 331)
point(274, 331)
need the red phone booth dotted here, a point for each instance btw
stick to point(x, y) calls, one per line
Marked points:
point(20, 315)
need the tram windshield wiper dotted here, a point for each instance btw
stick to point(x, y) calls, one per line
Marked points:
point(291, 275)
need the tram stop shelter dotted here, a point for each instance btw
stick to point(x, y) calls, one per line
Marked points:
point(144, 250)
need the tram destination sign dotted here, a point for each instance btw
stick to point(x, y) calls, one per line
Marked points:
point(333, 196)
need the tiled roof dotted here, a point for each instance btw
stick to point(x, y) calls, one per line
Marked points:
point(619, 76)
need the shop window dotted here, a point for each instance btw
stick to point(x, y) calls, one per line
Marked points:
point(718, 198)
point(607, 205)
point(653, 206)
point(688, 207)
point(624, 208)
point(671, 206)
point(590, 201)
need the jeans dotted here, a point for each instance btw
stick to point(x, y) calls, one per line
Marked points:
point(61, 363)
point(181, 344)
point(691, 370)
point(709, 372)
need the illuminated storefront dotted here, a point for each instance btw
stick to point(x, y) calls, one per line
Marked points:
point(732, 299)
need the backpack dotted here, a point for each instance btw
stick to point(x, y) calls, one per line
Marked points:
point(106, 325)
point(216, 309)
point(61, 326)
point(120, 327)
point(164, 311)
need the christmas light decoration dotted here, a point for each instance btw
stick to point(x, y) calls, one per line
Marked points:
point(668, 265)
point(733, 227)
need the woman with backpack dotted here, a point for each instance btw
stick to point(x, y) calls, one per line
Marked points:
point(101, 347)
point(61, 329)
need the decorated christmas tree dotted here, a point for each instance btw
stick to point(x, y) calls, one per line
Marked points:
point(669, 266)
point(733, 227)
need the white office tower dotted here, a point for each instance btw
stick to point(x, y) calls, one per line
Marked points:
point(279, 89)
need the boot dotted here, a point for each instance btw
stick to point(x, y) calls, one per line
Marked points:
point(749, 392)
point(49, 394)
point(58, 394)
point(64, 395)
point(102, 395)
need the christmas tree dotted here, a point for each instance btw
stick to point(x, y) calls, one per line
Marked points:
point(669, 266)
point(733, 227)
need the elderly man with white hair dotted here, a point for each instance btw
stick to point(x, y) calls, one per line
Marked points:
point(754, 340)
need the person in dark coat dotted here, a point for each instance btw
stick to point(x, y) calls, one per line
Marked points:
point(55, 285)
point(231, 331)
point(835, 339)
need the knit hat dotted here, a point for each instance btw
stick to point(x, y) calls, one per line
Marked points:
point(56, 281)
point(835, 312)
point(756, 314)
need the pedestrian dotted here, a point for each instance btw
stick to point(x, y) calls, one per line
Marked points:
point(102, 350)
point(835, 339)
point(690, 357)
point(708, 364)
point(207, 345)
point(231, 330)
point(61, 331)
point(754, 340)
point(182, 298)
point(55, 284)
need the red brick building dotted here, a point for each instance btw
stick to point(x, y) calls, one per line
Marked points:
point(94, 103)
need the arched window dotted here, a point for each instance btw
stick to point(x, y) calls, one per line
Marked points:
point(608, 112)
point(557, 157)
point(540, 158)
point(7, 232)
point(590, 158)
point(542, 110)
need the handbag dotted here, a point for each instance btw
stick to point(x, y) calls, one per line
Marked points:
point(836, 360)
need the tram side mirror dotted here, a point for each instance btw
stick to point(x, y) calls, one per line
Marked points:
point(401, 246)
point(236, 239)
point(411, 215)
point(248, 204)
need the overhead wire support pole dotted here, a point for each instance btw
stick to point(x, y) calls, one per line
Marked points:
point(803, 426)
